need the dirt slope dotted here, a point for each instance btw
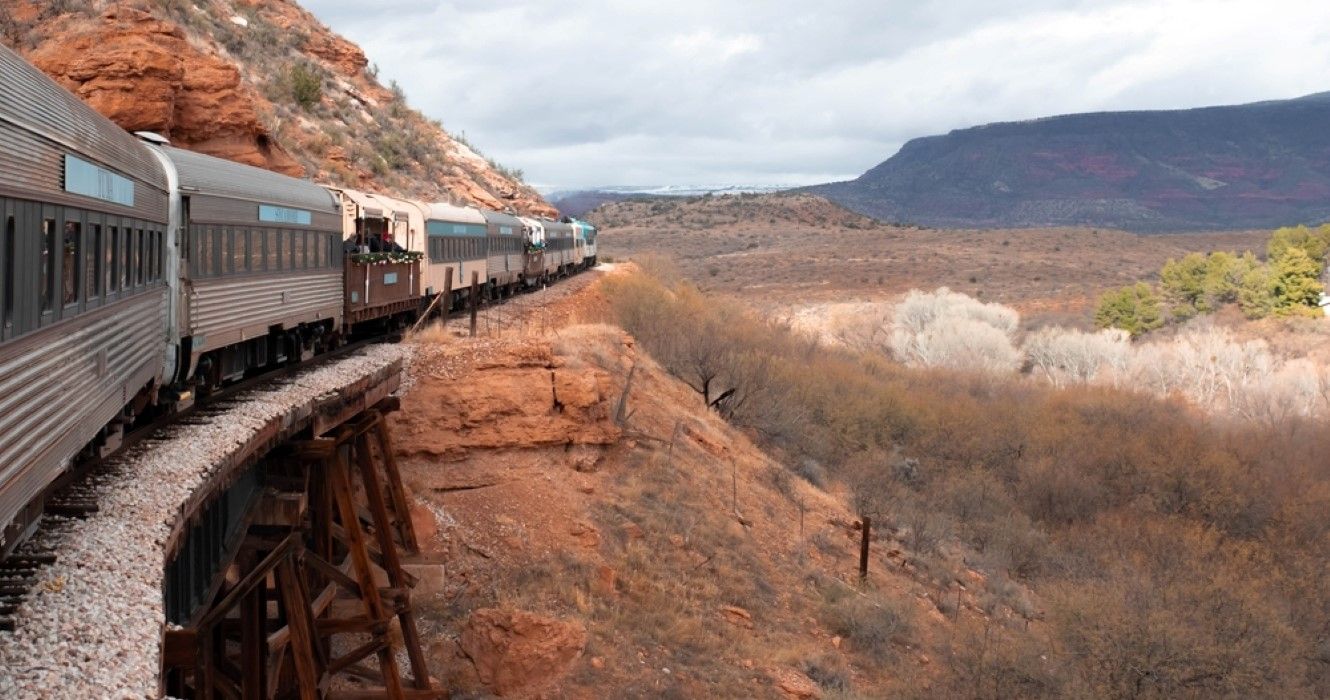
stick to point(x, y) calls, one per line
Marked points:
point(573, 556)
point(262, 82)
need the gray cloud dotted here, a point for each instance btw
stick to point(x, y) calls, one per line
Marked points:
point(588, 92)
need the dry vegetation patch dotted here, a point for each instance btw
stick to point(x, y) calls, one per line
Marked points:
point(1128, 545)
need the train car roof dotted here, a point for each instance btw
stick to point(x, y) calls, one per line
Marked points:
point(216, 177)
point(443, 211)
point(33, 104)
point(498, 217)
point(380, 205)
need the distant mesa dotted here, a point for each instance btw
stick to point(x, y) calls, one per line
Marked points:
point(1257, 165)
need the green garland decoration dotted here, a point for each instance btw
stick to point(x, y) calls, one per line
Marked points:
point(386, 258)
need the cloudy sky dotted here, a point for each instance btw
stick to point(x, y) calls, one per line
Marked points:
point(631, 92)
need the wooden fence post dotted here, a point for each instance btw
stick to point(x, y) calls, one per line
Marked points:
point(863, 548)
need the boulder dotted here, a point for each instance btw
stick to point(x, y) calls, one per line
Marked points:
point(795, 685)
point(517, 651)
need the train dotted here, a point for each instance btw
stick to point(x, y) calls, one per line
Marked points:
point(136, 277)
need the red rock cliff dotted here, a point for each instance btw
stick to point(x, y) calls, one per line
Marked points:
point(261, 82)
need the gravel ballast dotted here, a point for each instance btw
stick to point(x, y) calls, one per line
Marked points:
point(92, 626)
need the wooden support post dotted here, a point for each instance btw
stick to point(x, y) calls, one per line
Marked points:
point(205, 675)
point(448, 288)
point(355, 541)
point(392, 563)
point(475, 299)
point(447, 295)
point(302, 644)
point(863, 548)
point(406, 530)
point(253, 637)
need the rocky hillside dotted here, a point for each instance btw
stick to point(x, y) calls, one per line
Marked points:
point(587, 535)
point(261, 82)
point(1215, 168)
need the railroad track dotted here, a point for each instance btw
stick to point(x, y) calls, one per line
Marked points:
point(75, 494)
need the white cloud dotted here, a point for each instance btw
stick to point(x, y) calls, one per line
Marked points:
point(588, 92)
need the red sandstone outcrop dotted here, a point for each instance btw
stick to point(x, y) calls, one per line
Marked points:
point(144, 75)
point(148, 67)
point(515, 651)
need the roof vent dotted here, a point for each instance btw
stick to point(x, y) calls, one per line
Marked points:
point(152, 137)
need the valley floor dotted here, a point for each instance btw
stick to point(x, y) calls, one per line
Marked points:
point(797, 253)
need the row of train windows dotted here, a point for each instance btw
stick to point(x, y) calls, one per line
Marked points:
point(217, 251)
point(506, 244)
point(56, 263)
point(108, 260)
point(448, 249)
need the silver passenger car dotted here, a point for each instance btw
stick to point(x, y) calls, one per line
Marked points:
point(84, 291)
point(261, 268)
point(507, 246)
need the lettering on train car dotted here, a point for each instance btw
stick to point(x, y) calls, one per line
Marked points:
point(284, 215)
point(84, 178)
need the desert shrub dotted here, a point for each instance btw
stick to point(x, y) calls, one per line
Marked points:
point(1064, 356)
point(1314, 242)
point(1256, 294)
point(948, 329)
point(982, 662)
point(1141, 629)
point(1295, 282)
point(812, 471)
point(1133, 308)
point(871, 625)
point(829, 671)
point(1183, 283)
point(306, 85)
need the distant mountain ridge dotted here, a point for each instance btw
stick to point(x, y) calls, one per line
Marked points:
point(1256, 165)
point(580, 202)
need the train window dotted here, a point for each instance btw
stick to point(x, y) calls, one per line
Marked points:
point(92, 264)
point(302, 251)
point(10, 268)
point(279, 237)
point(211, 243)
point(198, 266)
point(135, 258)
point(292, 262)
point(126, 258)
point(46, 273)
point(70, 249)
point(143, 242)
point(112, 259)
point(265, 238)
point(154, 255)
point(244, 251)
point(227, 264)
point(315, 250)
